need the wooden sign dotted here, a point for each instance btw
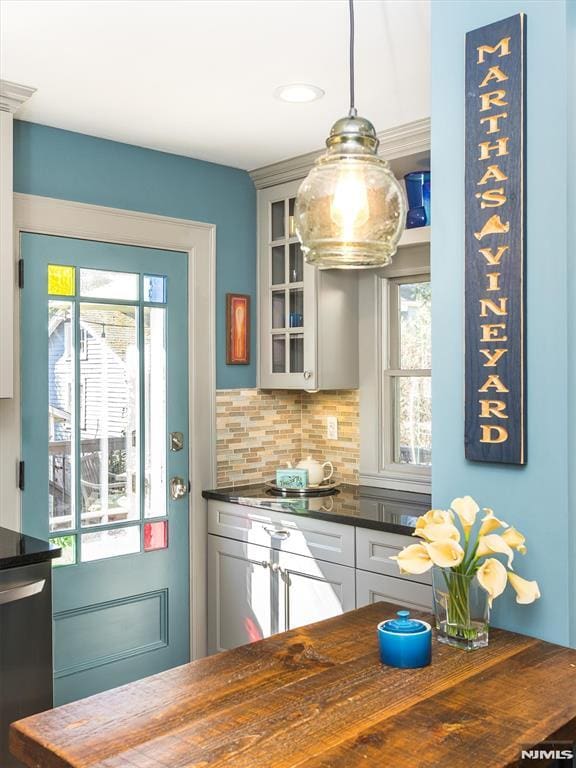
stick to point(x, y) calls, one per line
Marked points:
point(495, 423)
point(237, 329)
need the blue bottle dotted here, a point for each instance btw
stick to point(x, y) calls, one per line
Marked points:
point(405, 642)
point(418, 193)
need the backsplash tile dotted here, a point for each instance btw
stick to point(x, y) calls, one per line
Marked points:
point(259, 430)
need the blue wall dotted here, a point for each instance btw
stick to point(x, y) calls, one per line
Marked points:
point(72, 166)
point(539, 498)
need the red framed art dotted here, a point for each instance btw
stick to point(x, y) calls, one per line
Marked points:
point(237, 329)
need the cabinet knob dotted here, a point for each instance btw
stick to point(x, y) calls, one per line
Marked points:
point(307, 375)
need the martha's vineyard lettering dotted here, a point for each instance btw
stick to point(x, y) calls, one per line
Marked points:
point(495, 243)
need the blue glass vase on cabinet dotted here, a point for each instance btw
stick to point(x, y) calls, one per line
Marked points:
point(418, 192)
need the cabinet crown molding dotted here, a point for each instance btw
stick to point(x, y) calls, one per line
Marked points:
point(13, 95)
point(398, 142)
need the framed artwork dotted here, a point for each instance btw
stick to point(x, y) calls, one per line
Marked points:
point(237, 329)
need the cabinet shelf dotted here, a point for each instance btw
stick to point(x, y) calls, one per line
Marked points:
point(416, 236)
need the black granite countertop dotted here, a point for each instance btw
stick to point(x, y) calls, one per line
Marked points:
point(361, 505)
point(17, 549)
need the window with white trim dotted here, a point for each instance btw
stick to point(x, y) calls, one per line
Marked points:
point(406, 406)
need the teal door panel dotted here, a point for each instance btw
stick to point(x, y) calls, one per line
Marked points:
point(104, 382)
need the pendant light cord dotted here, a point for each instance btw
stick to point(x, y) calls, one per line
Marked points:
point(352, 112)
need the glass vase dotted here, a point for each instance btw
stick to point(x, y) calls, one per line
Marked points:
point(461, 609)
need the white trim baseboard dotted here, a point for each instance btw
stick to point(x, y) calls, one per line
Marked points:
point(50, 216)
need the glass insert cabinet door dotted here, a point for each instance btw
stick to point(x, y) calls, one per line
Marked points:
point(287, 298)
point(104, 382)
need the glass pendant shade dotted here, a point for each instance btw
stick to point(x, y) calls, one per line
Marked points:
point(350, 210)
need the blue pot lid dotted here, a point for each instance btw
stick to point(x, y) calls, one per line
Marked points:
point(403, 624)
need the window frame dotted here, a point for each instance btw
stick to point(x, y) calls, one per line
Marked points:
point(392, 371)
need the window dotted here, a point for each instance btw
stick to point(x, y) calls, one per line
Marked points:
point(406, 383)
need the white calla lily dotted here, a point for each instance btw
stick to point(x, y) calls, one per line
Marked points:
point(466, 509)
point(490, 523)
point(435, 517)
point(494, 544)
point(438, 532)
point(492, 578)
point(446, 554)
point(526, 591)
point(515, 539)
point(413, 559)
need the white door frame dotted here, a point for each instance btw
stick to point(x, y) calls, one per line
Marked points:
point(44, 215)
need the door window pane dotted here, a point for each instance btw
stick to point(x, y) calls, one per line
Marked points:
point(413, 409)
point(68, 546)
point(278, 309)
point(296, 353)
point(296, 263)
point(291, 220)
point(278, 354)
point(278, 273)
point(97, 283)
point(154, 412)
point(154, 288)
point(110, 543)
point(109, 436)
point(414, 301)
point(278, 220)
point(296, 308)
point(155, 535)
point(61, 280)
point(61, 416)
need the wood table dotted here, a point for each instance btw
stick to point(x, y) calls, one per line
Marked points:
point(317, 697)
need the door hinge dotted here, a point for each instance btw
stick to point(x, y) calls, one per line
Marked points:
point(21, 475)
point(20, 273)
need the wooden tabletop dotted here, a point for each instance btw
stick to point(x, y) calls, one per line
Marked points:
point(317, 697)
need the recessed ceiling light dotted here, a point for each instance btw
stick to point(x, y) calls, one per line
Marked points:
point(298, 93)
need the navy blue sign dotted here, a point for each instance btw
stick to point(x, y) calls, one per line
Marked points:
point(495, 243)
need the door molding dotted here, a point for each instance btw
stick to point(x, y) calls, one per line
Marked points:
point(50, 216)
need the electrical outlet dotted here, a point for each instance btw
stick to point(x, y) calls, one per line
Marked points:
point(332, 428)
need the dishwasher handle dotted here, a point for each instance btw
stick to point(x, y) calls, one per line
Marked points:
point(21, 591)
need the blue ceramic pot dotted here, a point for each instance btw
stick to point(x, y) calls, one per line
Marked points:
point(405, 642)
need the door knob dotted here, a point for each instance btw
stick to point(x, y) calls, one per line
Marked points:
point(178, 488)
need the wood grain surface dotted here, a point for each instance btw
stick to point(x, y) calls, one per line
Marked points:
point(316, 697)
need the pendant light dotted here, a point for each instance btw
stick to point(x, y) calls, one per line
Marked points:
point(350, 210)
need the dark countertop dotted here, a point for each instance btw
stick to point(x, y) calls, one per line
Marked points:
point(17, 549)
point(361, 505)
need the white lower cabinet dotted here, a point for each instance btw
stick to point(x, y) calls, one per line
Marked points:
point(373, 587)
point(254, 592)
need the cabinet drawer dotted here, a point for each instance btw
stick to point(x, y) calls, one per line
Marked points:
point(306, 536)
point(375, 548)
point(373, 587)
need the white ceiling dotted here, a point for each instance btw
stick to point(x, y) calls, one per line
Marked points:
point(196, 77)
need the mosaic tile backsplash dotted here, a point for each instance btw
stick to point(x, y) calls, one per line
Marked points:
point(260, 430)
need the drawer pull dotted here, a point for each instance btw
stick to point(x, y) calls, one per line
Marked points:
point(277, 533)
point(21, 591)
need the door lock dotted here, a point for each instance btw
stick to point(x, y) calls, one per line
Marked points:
point(178, 488)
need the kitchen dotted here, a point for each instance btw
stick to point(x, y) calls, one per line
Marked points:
point(310, 369)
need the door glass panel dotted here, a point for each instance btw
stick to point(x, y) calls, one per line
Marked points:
point(97, 283)
point(414, 301)
point(413, 404)
point(296, 353)
point(61, 280)
point(61, 416)
point(278, 354)
point(109, 434)
point(278, 220)
point(296, 308)
point(278, 273)
point(291, 220)
point(154, 417)
point(110, 543)
point(278, 309)
point(155, 535)
point(154, 288)
point(296, 263)
point(68, 546)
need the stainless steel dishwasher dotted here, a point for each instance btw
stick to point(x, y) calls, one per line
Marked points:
point(25, 631)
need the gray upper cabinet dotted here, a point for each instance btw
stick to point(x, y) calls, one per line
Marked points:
point(308, 318)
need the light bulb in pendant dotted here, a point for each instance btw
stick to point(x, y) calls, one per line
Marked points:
point(349, 207)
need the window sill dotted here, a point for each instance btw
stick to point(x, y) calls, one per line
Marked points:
point(415, 484)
